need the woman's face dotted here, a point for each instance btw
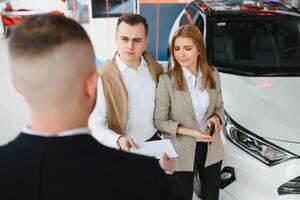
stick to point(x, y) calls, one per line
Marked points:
point(186, 52)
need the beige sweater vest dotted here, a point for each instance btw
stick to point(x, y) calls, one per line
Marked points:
point(115, 93)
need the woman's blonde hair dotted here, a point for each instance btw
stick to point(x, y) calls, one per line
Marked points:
point(192, 32)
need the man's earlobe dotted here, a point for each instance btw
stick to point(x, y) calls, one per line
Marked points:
point(91, 85)
point(15, 85)
point(146, 43)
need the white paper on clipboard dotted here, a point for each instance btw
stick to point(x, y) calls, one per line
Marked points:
point(156, 149)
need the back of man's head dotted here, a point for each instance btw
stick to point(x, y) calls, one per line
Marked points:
point(51, 59)
point(41, 34)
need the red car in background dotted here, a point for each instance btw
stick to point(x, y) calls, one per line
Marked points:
point(11, 16)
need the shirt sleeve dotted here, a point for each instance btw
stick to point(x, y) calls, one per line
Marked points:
point(98, 121)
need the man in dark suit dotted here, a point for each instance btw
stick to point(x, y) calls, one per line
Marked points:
point(55, 157)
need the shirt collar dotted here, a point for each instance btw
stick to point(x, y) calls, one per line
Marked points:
point(71, 132)
point(187, 74)
point(123, 67)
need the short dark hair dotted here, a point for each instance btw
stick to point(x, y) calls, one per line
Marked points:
point(133, 19)
point(42, 33)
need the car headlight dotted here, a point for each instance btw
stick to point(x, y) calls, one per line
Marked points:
point(256, 146)
point(291, 187)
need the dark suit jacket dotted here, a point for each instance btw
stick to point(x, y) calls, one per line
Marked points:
point(77, 167)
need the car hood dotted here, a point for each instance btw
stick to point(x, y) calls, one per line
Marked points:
point(266, 106)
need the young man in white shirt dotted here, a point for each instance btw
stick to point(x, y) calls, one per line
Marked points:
point(134, 81)
point(123, 115)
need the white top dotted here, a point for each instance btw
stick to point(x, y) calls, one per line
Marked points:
point(71, 132)
point(199, 97)
point(141, 96)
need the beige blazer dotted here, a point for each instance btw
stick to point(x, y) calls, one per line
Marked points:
point(175, 107)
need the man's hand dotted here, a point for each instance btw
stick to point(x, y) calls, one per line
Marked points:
point(126, 143)
point(168, 165)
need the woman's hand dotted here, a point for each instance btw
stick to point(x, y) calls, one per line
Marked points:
point(214, 120)
point(202, 136)
point(205, 137)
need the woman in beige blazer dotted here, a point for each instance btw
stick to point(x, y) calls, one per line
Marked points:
point(188, 102)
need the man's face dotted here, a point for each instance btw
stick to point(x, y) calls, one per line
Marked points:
point(131, 42)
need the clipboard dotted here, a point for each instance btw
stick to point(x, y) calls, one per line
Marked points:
point(156, 149)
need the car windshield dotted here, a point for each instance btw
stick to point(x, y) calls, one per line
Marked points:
point(260, 45)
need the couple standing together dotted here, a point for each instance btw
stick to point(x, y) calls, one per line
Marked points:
point(136, 102)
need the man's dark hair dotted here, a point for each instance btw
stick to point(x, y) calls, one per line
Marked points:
point(42, 33)
point(133, 19)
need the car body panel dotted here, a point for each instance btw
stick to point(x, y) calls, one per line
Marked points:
point(264, 105)
point(255, 179)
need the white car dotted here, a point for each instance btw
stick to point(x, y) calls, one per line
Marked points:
point(256, 48)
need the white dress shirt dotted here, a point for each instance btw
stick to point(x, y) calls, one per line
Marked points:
point(141, 100)
point(199, 97)
point(71, 132)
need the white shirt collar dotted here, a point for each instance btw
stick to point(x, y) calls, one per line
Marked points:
point(192, 81)
point(123, 67)
point(187, 74)
point(71, 132)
